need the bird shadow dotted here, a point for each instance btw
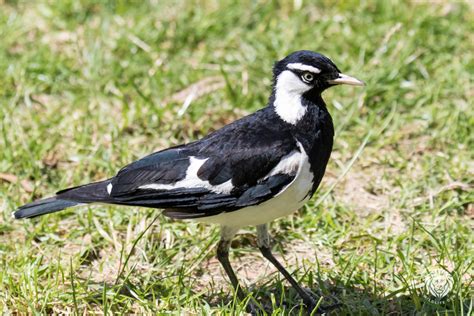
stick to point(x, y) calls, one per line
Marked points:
point(334, 297)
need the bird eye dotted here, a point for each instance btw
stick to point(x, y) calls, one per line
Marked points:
point(307, 77)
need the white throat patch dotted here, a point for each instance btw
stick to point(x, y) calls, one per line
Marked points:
point(288, 91)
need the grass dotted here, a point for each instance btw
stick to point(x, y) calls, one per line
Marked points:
point(88, 86)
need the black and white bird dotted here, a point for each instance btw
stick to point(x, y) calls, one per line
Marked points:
point(250, 172)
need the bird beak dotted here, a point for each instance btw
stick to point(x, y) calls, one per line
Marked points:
point(345, 79)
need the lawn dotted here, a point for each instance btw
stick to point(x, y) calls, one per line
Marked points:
point(88, 86)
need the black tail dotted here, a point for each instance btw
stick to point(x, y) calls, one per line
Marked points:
point(89, 193)
point(41, 207)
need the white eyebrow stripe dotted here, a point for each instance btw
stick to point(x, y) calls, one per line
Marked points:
point(300, 66)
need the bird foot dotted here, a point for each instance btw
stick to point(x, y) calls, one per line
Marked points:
point(310, 305)
point(252, 309)
point(312, 301)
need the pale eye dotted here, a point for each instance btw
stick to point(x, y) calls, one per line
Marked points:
point(307, 77)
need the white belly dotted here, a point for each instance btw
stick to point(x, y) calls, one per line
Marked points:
point(290, 199)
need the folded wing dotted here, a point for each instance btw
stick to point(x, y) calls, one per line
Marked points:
point(241, 166)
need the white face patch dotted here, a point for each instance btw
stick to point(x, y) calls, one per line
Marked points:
point(192, 180)
point(303, 67)
point(288, 91)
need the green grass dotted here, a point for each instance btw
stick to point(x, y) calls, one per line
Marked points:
point(88, 86)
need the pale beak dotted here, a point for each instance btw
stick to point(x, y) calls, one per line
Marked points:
point(345, 79)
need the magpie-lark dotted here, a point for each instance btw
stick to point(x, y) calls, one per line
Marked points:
point(250, 172)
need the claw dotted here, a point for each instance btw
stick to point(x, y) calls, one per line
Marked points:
point(252, 309)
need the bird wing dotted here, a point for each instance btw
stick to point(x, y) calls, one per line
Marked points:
point(243, 164)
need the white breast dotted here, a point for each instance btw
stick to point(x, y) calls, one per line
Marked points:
point(290, 199)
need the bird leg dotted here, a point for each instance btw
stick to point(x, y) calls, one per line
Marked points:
point(263, 242)
point(223, 256)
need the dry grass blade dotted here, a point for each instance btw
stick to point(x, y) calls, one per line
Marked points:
point(195, 91)
point(11, 178)
point(456, 185)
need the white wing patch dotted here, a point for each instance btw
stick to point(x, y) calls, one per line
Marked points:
point(288, 91)
point(303, 67)
point(289, 164)
point(192, 180)
point(109, 188)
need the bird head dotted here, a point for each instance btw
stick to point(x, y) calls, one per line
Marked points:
point(306, 71)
